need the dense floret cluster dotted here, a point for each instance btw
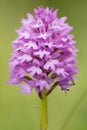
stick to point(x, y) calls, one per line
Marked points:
point(44, 54)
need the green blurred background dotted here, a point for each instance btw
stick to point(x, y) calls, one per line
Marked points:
point(21, 111)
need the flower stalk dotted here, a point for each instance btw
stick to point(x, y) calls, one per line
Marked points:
point(44, 114)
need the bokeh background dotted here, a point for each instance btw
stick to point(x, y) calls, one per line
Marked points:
point(21, 111)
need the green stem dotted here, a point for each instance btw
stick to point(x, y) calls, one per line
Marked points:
point(44, 113)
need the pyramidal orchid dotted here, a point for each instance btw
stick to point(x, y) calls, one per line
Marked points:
point(44, 55)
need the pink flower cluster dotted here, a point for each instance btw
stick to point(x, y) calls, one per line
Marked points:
point(44, 54)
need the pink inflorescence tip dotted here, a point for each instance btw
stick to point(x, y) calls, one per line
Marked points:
point(44, 53)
